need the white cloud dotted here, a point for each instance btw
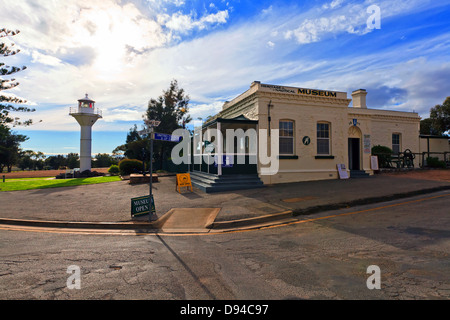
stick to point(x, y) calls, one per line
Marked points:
point(320, 24)
point(333, 4)
point(122, 57)
point(205, 110)
point(184, 23)
point(38, 57)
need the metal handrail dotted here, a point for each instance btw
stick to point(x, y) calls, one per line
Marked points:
point(77, 110)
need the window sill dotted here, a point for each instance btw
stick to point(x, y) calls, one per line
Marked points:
point(324, 157)
point(288, 157)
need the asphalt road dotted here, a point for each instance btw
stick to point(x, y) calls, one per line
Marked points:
point(326, 257)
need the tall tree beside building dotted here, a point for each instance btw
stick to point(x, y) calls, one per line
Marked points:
point(132, 149)
point(439, 121)
point(440, 116)
point(171, 108)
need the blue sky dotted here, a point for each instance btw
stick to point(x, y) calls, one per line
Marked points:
point(123, 53)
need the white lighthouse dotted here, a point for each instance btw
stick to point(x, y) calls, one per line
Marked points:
point(86, 115)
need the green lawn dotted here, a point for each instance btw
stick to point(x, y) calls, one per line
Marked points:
point(42, 183)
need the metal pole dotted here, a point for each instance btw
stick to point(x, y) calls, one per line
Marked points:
point(151, 175)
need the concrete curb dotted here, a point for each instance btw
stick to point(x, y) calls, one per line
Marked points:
point(366, 201)
point(156, 226)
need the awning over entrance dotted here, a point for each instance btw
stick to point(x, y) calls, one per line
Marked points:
point(232, 140)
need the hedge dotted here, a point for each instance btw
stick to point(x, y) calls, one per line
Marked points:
point(128, 166)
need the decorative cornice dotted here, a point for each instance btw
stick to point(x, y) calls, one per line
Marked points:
point(303, 98)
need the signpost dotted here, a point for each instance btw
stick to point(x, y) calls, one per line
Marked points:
point(141, 206)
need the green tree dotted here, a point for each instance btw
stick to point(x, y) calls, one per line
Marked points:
point(7, 103)
point(25, 161)
point(9, 141)
point(171, 108)
point(56, 162)
point(440, 116)
point(132, 149)
point(73, 161)
point(426, 126)
point(9, 147)
point(103, 160)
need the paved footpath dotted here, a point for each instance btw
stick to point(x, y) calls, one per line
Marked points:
point(111, 202)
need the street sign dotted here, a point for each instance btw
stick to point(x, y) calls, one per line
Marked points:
point(140, 206)
point(152, 123)
point(166, 137)
point(144, 132)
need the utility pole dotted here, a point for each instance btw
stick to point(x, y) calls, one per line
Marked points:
point(151, 124)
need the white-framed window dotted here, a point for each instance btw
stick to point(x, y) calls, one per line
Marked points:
point(323, 138)
point(286, 137)
point(396, 142)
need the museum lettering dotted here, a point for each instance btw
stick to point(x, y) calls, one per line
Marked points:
point(317, 93)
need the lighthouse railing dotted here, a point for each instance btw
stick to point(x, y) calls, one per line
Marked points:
point(77, 110)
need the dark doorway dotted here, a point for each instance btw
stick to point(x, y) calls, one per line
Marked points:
point(354, 153)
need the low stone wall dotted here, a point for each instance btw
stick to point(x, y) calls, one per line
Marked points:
point(141, 179)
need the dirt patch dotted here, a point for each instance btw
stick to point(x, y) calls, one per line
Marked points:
point(41, 173)
point(430, 174)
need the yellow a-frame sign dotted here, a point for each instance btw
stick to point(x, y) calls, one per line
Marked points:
point(183, 180)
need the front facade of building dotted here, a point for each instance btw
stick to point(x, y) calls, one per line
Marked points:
point(317, 131)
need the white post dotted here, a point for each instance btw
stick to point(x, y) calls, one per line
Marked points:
point(219, 149)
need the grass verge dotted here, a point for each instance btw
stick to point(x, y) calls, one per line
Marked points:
point(43, 183)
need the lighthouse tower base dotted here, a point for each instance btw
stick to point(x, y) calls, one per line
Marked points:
point(85, 148)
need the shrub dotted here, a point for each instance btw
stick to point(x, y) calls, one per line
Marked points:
point(128, 166)
point(384, 155)
point(114, 169)
point(434, 162)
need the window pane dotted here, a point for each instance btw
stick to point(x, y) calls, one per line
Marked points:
point(323, 146)
point(323, 130)
point(396, 148)
point(286, 137)
point(286, 129)
point(286, 145)
point(396, 143)
point(395, 139)
point(323, 138)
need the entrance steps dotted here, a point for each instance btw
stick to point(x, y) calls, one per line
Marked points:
point(210, 183)
point(358, 174)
